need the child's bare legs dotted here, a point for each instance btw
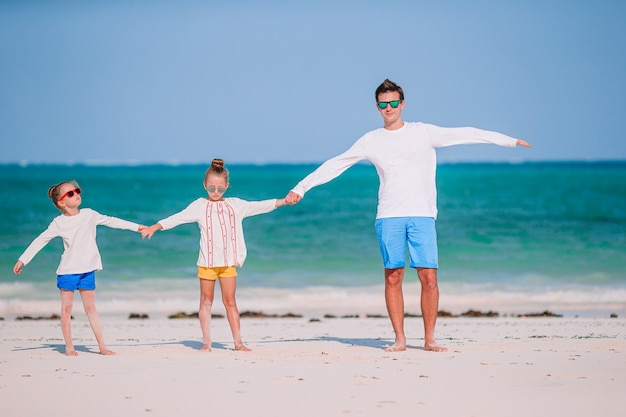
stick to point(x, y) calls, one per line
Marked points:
point(67, 299)
point(89, 304)
point(207, 292)
point(228, 286)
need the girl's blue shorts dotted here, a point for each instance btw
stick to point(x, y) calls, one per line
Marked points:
point(71, 282)
point(418, 233)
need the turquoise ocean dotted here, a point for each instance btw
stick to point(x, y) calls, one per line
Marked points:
point(513, 238)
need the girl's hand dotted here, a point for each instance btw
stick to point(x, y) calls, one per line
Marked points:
point(149, 231)
point(17, 269)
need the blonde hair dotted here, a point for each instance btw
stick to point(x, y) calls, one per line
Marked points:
point(54, 192)
point(216, 168)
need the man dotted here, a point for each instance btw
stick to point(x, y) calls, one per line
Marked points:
point(405, 160)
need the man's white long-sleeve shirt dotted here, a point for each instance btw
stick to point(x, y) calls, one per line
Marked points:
point(406, 163)
point(220, 223)
point(78, 232)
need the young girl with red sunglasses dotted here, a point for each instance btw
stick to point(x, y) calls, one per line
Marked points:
point(80, 258)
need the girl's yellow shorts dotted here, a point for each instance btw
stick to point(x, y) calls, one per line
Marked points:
point(217, 272)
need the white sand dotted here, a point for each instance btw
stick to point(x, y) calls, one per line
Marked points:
point(500, 367)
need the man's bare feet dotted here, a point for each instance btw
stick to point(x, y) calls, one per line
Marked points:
point(242, 348)
point(71, 353)
point(396, 347)
point(206, 347)
point(434, 347)
point(106, 351)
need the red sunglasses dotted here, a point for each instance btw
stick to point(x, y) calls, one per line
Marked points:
point(70, 193)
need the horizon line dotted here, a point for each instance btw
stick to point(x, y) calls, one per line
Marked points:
point(133, 163)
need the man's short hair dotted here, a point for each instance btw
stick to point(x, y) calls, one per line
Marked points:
point(389, 86)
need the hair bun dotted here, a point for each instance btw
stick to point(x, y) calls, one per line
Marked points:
point(217, 163)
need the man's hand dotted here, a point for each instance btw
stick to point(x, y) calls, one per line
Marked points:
point(292, 198)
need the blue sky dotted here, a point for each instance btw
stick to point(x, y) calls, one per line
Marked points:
point(185, 81)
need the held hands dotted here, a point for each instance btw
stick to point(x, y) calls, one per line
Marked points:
point(149, 231)
point(292, 198)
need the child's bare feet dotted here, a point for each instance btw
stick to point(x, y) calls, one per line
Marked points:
point(71, 352)
point(434, 347)
point(395, 348)
point(206, 347)
point(242, 348)
point(398, 346)
point(106, 351)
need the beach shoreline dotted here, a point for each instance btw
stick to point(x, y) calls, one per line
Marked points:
point(162, 298)
point(495, 366)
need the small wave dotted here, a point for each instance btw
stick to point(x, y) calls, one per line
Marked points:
point(17, 288)
point(163, 297)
